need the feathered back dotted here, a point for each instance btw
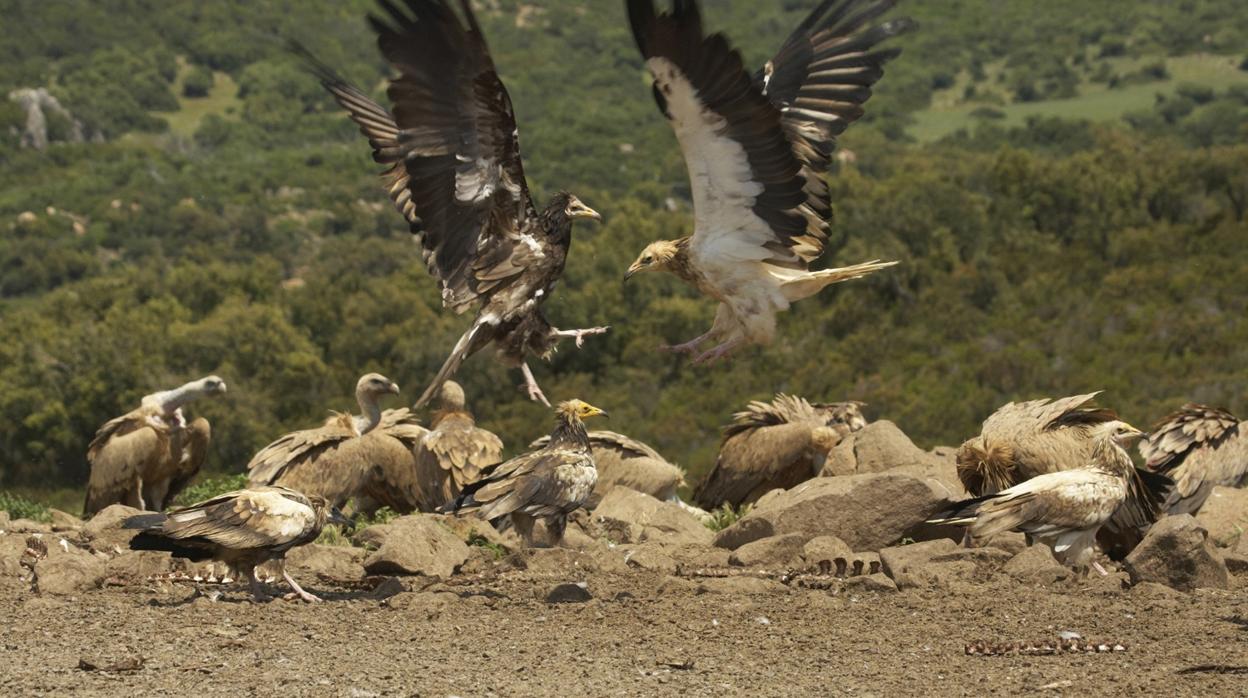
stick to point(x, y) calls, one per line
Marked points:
point(1199, 447)
point(784, 409)
point(626, 462)
point(123, 448)
point(1191, 426)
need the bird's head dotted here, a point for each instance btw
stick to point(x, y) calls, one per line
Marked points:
point(575, 209)
point(451, 396)
point(579, 409)
point(656, 257)
point(375, 384)
point(212, 385)
point(1121, 433)
point(848, 413)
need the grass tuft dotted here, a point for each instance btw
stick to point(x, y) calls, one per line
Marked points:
point(725, 516)
point(20, 507)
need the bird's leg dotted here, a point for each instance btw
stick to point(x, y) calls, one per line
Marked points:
point(688, 347)
point(257, 589)
point(299, 592)
point(580, 335)
point(718, 352)
point(530, 384)
point(1097, 566)
point(523, 523)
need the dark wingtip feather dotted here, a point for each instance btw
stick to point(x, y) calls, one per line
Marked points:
point(144, 521)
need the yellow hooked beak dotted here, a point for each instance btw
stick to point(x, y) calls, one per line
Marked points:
point(591, 411)
point(586, 212)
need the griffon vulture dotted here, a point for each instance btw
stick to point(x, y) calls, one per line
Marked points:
point(757, 149)
point(626, 462)
point(145, 457)
point(243, 529)
point(455, 452)
point(548, 483)
point(775, 445)
point(1200, 448)
point(1062, 509)
point(455, 173)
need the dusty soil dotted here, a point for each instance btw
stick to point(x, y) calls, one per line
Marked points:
point(642, 633)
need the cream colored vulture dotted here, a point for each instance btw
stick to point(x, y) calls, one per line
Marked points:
point(548, 483)
point(626, 462)
point(349, 454)
point(455, 452)
point(1022, 440)
point(775, 445)
point(1062, 509)
point(1200, 448)
point(243, 529)
point(145, 457)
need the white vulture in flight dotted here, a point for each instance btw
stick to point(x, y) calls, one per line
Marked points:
point(757, 149)
point(1200, 448)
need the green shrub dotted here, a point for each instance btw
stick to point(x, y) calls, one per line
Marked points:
point(210, 487)
point(20, 507)
point(198, 82)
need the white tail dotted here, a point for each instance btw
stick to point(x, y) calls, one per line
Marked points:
point(810, 283)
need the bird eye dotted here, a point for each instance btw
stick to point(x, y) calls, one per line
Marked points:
point(647, 259)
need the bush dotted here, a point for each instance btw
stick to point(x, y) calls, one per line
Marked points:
point(1200, 94)
point(987, 113)
point(208, 488)
point(198, 82)
point(20, 507)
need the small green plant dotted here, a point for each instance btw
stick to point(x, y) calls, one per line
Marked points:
point(334, 535)
point(481, 541)
point(725, 516)
point(210, 487)
point(20, 507)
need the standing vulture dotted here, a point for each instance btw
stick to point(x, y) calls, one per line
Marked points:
point(1200, 448)
point(243, 529)
point(626, 462)
point(548, 483)
point(455, 452)
point(757, 149)
point(338, 459)
point(455, 174)
point(145, 457)
point(1025, 439)
point(1062, 509)
point(775, 445)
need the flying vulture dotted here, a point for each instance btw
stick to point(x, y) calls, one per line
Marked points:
point(145, 457)
point(455, 452)
point(1062, 509)
point(548, 483)
point(1025, 439)
point(455, 173)
point(757, 148)
point(775, 445)
point(243, 529)
point(1200, 448)
point(626, 462)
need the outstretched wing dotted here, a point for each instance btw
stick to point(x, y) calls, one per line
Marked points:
point(276, 460)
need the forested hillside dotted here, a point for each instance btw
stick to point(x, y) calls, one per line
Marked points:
point(211, 211)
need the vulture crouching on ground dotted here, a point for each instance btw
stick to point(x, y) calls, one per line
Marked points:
point(626, 462)
point(242, 529)
point(1064, 509)
point(757, 148)
point(455, 174)
point(1200, 448)
point(145, 457)
point(455, 452)
point(548, 483)
point(775, 445)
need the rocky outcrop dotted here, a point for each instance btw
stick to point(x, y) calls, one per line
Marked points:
point(38, 103)
point(417, 544)
point(1225, 515)
point(1177, 552)
point(632, 517)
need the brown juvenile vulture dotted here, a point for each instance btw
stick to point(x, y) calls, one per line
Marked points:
point(145, 457)
point(243, 529)
point(455, 173)
point(757, 148)
point(334, 460)
point(1200, 448)
point(1062, 509)
point(548, 483)
point(626, 462)
point(1024, 439)
point(775, 445)
point(455, 452)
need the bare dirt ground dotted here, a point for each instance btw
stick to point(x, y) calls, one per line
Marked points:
point(642, 633)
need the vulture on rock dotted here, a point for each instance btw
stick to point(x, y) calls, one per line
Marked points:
point(454, 171)
point(626, 462)
point(1063, 509)
point(548, 483)
point(1199, 447)
point(455, 452)
point(145, 457)
point(757, 148)
point(242, 529)
point(775, 445)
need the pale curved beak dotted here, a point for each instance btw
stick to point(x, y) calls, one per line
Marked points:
point(633, 269)
point(589, 213)
point(394, 388)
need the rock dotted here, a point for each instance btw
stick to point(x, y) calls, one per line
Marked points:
point(476, 531)
point(1236, 563)
point(414, 544)
point(879, 583)
point(740, 585)
point(11, 548)
point(68, 569)
point(1036, 565)
point(1177, 552)
point(4, 521)
point(899, 559)
point(103, 532)
point(137, 566)
point(568, 592)
point(655, 520)
point(826, 550)
point(28, 526)
point(651, 556)
point(769, 552)
point(331, 561)
point(1225, 515)
point(934, 563)
point(868, 511)
point(63, 521)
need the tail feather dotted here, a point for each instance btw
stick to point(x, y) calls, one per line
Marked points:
point(464, 348)
point(963, 513)
point(145, 521)
point(154, 541)
point(809, 283)
point(1147, 496)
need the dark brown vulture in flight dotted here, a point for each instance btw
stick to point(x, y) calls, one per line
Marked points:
point(145, 457)
point(548, 483)
point(757, 148)
point(623, 461)
point(243, 529)
point(1200, 448)
point(1063, 509)
point(455, 173)
point(455, 452)
point(775, 445)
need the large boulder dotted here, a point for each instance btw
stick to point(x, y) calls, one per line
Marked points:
point(103, 532)
point(1035, 564)
point(137, 566)
point(416, 544)
point(877, 447)
point(770, 552)
point(329, 561)
point(1225, 515)
point(64, 521)
point(1177, 552)
point(68, 569)
point(867, 511)
point(645, 518)
point(4, 521)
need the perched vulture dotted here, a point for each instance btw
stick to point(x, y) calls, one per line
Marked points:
point(757, 149)
point(1062, 509)
point(548, 483)
point(339, 459)
point(1022, 440)
point(626, 462)
point(455, 452)
point(455, 173)
point(145, 457)
point(1200, 448)
point(243, 529)
point(775, 445)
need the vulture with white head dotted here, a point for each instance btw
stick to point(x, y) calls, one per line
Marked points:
point(1199, 447)
point(757, 148)
point(145, 457)
point(623, 461)
point(455, 453)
